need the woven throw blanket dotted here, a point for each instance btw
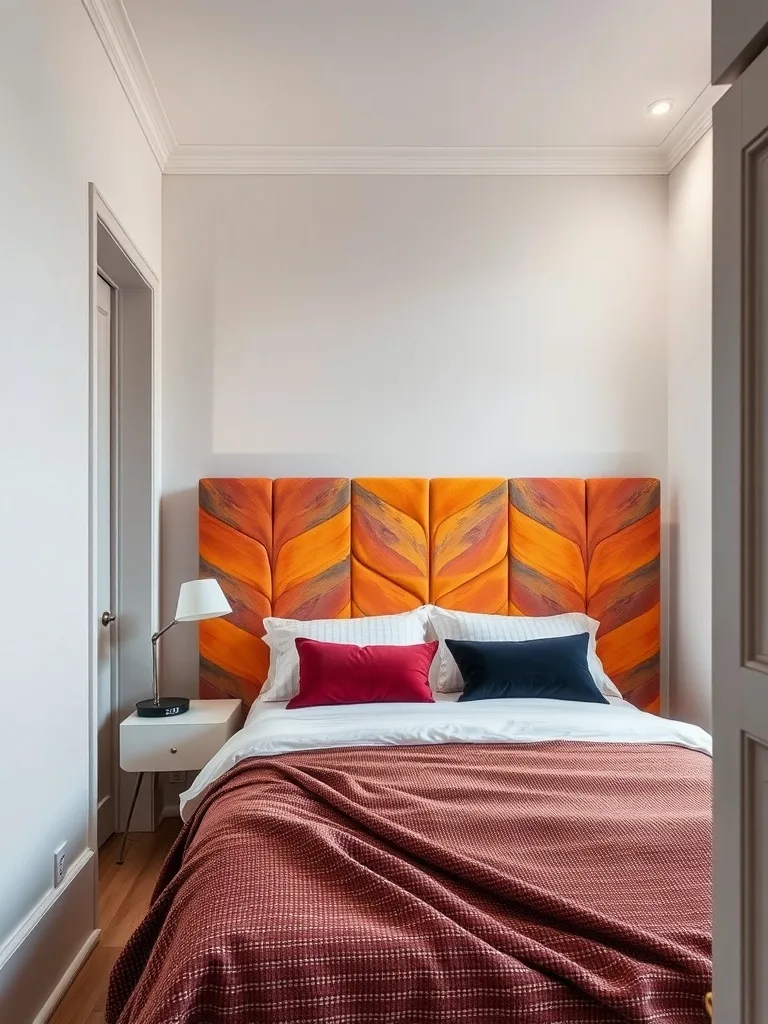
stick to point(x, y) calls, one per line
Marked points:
point(535, 883)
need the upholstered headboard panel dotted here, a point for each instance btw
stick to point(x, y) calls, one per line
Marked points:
point(332, 548)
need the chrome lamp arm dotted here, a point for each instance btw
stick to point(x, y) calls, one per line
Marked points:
point(198, 600)
point(155, 637)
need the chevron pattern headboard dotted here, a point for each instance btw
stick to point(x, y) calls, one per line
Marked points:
point(331, 547)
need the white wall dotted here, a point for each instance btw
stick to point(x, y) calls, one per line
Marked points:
point(65, 121)
point(405, 325)
point(689, 494)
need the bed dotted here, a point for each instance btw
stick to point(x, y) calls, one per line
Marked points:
point(503, 860)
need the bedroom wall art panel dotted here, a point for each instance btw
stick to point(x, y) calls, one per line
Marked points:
point(235, 537)
point(623, 583)
point(547, 546)
point(311, 548)
point(469, 537)
point(330, 548)
point(390, 547)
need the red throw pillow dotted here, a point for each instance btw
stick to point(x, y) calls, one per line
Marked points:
point(348, 674)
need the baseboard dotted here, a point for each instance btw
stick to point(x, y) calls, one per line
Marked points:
point(67, 978)
point(39, 960)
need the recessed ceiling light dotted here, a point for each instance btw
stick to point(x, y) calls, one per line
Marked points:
point(660, 108)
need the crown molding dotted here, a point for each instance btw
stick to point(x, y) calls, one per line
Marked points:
point(113, 27)
point(115, 31)
point(692, 126)
point(442, 160)
point(677, 150)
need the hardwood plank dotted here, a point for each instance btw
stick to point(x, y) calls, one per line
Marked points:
point(88, 989)
point(124, 893)
point(133, 907)
point(117, 880)
point(108, 865)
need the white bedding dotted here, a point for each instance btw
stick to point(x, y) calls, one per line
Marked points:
point(270, 729)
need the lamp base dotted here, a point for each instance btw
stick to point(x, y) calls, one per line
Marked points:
point(165, 707)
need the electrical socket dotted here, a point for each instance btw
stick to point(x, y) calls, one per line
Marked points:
point(177, 777)
point(59, 864)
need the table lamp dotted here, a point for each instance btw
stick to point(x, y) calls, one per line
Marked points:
point(198, 599)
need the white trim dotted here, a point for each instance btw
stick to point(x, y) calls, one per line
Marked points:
point(67, 978)
point(38, 912)
point(442, 160)
point(45, 951)
point(697, 130)
point(115, 31)
point(692, 126)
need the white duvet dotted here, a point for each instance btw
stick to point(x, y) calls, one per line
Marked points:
point(270, 729)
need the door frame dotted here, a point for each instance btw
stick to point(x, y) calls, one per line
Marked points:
point(739, 723)
point(129, 273)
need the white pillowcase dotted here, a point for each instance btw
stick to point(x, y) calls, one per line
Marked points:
point(390, 630)
point(450, 625)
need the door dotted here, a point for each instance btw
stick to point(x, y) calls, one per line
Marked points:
point(739, 33)
point(105, 588)
point(740, 555)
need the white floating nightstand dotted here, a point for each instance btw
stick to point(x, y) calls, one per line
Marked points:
point(181, 743)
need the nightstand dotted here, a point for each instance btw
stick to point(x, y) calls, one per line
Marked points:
point(182, 743)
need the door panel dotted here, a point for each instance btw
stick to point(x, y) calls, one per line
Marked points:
point(104, 578)
point(740, 552)
point(756, 880)
point(755, 409)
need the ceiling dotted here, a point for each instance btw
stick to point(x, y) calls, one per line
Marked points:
point(423, 73)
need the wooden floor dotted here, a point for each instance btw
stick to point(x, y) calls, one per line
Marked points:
point(124, 892)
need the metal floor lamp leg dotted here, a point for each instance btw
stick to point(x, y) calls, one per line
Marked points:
point(137, 787)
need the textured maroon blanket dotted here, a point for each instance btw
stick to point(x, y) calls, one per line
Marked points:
point(534, 884)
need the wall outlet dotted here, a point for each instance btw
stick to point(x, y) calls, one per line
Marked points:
point(177, 777)
point(59, 864)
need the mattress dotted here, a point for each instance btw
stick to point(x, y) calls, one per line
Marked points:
point(271, 729)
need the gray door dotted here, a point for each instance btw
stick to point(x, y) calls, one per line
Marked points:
point(740, 556)
point(106, 698)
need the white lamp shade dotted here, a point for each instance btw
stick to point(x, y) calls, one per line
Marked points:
point(201, 599)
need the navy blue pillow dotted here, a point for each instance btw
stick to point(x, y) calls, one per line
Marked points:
point(555, 668)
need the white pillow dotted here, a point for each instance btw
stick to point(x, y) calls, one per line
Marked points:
point(283, 679)
point(450, 625)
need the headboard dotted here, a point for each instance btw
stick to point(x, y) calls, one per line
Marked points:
point(332, 548)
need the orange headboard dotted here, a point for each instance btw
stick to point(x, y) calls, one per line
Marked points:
point(333, 548)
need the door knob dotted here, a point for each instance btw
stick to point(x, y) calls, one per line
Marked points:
point(106, 618)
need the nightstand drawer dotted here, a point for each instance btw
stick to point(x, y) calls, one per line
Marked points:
point(186, 743)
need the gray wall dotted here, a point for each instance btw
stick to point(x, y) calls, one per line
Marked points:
point(689, 422)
